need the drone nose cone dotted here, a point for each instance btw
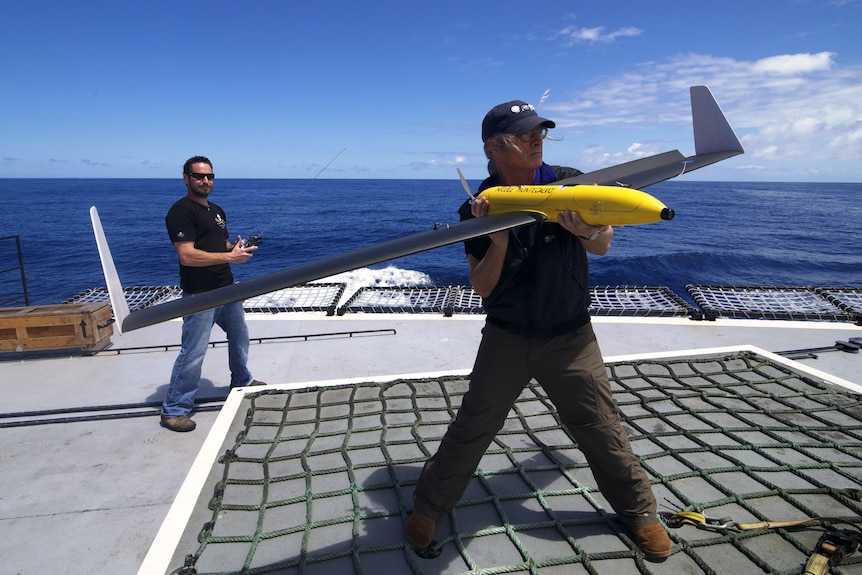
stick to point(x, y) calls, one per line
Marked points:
point(667, 214)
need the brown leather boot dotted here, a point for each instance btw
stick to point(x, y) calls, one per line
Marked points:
point(420, 530)
point(652, 540)
point(180, 423)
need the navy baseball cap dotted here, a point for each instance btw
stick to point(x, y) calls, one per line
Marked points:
point(515, 117)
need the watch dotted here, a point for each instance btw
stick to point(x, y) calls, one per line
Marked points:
point(593, 236)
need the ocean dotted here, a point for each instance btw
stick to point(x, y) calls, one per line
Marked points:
point(724, 233)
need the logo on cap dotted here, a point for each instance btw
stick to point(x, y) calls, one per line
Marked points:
point(523, 108)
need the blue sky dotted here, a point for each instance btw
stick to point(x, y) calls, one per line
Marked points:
point(272, 89)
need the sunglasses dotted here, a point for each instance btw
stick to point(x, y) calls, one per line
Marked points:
point(541, 132)
point(200, 176)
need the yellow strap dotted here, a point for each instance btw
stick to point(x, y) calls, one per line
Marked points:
point(817, 565)
point(690, 517)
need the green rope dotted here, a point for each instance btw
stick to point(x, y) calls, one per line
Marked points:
point(343, 460)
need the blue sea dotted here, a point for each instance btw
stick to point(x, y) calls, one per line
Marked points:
point(724, 233)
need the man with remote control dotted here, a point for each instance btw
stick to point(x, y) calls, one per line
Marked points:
point(198, 230)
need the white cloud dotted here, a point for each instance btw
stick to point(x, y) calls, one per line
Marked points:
point(794, 63)
point(440, 162)
point(793, 110)
point(574, 35)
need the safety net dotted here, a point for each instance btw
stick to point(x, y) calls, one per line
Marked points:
point(320, 479)
point(800, 303)
point(137, 297)
point(709, 302)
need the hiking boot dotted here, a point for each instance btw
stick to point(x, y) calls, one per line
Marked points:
point(652, 540)
point(178, 423)
point(253, 382)
point(420, 530)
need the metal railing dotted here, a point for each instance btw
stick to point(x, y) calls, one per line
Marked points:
point(20, 269)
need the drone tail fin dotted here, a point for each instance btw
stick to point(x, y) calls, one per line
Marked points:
point(112, 278)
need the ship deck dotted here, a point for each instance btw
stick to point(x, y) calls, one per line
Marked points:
point(724, 425)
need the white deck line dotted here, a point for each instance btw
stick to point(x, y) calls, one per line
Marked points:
point(169, 535)
point(158, 558)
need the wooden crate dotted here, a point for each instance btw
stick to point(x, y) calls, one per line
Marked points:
point(84, 326)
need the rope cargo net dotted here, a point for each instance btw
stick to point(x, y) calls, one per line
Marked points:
point(320, 480)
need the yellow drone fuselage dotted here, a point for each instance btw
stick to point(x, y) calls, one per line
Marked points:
point(597, 205)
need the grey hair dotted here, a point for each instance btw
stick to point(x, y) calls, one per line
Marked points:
point(501, 141)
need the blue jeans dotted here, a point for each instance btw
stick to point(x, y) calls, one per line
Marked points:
point(186, 375)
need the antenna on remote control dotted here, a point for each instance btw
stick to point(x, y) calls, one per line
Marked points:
point(257, 239)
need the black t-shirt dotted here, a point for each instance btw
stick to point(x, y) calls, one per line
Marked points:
point(188, 221)
point(544, 281)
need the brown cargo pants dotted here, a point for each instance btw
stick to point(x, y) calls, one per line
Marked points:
point(570, 369)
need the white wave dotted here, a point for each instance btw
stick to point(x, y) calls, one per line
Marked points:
point(389, 276)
